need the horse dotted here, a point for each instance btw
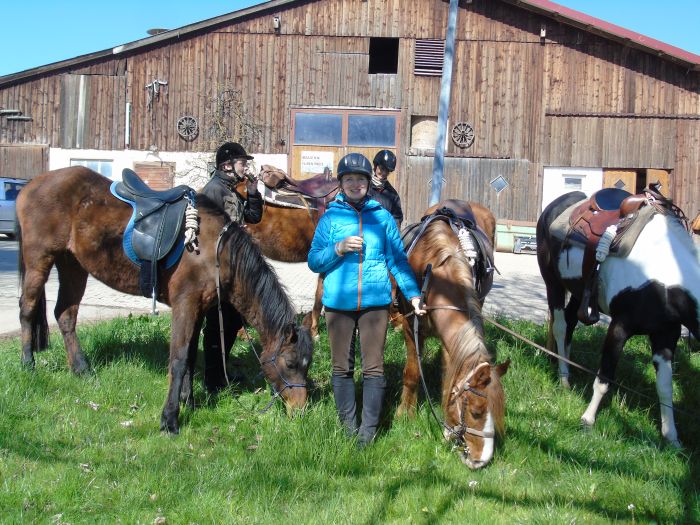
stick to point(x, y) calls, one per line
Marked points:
point(473, 401)
point(69, 218)
point(649, 289)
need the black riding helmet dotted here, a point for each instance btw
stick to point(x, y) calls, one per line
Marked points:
point(354, 163)
point(385, 158)
point(230, 151)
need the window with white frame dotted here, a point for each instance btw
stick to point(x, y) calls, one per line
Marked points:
point(101, 166)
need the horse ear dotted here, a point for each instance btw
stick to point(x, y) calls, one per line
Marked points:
point(292, 335)
point(502, 368)
point(480, 377)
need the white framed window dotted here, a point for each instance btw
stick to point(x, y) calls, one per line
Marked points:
point(560, 180)
point(101, 166)
point(573, 182)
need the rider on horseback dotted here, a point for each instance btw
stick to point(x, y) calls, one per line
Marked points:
point(231, 163)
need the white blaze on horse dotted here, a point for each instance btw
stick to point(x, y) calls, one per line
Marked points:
point(643, 272)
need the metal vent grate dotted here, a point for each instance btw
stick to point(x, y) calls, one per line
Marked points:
point(429, 57)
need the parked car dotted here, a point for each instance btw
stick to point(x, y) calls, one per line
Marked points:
point(9, 189)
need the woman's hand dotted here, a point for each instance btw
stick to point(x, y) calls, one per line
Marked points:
point(352, 243)
point(415, 302)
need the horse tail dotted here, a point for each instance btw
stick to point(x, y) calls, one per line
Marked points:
point(40, 325)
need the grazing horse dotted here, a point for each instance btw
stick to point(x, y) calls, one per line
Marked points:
point(69, 218)
point(473, 401)
point(651, 288)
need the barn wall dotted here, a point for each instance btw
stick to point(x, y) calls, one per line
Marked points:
point(574, 99)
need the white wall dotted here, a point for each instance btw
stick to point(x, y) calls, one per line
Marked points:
point(554, 182)
point(190, 168)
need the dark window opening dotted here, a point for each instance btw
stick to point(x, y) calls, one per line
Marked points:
point(383, 55)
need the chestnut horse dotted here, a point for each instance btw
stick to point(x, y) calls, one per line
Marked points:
point(69, 218)
point(473, 401)
point(652, 290)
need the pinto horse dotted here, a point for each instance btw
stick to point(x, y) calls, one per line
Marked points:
point(69, 218)
point(652, 290)
point(473, 401)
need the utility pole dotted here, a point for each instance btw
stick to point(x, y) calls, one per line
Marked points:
point(444, 109)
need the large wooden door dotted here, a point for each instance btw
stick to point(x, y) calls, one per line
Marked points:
point(22, 161)
point(662, 176)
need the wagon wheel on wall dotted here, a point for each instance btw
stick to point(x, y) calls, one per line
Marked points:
point(187, 127)
point(463, 134)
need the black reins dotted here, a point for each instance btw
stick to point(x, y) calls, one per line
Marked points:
point(275, 393)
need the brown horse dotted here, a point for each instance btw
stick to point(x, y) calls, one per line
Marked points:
point(69, 218)
point(285, 234)
point(473, 401)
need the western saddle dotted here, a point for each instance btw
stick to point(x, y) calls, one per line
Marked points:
point(609, 215)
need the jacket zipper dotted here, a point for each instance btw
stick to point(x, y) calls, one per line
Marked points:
point(359, 275)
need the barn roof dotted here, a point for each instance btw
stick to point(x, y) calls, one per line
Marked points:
point(543, 7)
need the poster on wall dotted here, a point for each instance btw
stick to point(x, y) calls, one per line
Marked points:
point(316, 162)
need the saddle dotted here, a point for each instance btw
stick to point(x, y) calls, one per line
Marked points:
point(154, 236)
point(624, 216)
point(460, 216)
point(283, 190)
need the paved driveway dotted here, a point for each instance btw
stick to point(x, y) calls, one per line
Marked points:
point(517, 293)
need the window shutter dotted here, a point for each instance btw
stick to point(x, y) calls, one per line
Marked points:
point(429, 57)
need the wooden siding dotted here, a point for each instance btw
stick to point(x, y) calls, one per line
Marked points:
point(23, 162)
point(574, 99)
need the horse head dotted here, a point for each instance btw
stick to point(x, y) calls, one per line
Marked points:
point(474, 413)
point(285, 361)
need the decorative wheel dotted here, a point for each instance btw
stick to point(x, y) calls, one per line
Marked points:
point(463, 134)
point(187, 127)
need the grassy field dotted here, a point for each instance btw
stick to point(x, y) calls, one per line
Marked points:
point(88, 449)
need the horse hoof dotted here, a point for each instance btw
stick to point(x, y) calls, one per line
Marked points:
point(28, 364)
point(564, 382)
point(586, 425)
point(675, 443)
point(169, 427)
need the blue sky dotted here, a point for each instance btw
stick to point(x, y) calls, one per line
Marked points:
point(39, 32)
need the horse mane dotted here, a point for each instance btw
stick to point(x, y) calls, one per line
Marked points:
point(466, 346)
point(254, 276)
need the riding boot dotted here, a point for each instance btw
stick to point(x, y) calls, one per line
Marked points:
point(372, 402)
point(344, 394)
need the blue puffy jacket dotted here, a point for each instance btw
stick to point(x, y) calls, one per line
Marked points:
point(360, 280)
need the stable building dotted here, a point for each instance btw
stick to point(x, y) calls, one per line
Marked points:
point(544, 100)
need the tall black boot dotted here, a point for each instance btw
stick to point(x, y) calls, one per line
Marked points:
point(344, 394)
point(372, 402)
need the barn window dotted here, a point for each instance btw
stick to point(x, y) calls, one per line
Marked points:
point(318, 128)
point(372, 130)
point(573, 183)
point(383, 55)
point(429, 57)
point(103, 167)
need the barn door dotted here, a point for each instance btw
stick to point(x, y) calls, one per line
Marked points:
point(620, 179)
point(158, 175)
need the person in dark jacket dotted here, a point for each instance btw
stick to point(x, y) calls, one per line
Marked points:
point(381, 189)
point(356, 245)
point(231, 163)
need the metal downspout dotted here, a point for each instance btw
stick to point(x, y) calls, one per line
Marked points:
point(444, 108)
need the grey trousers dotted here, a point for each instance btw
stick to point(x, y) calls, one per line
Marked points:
point(372, 324)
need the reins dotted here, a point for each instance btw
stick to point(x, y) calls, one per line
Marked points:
point(273, 359)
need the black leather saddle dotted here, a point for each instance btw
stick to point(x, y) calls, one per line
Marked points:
point(155, 232)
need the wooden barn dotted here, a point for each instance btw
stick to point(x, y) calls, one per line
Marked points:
point(543, 100)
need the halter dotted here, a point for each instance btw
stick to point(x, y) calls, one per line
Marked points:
point(458, 431)
point(275, 393)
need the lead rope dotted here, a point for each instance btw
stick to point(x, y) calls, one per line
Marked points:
point(218, 300)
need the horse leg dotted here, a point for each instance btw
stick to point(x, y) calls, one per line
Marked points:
point(663, 346)
point(187, 392)
point(614, 343)
point(562, 321)
point(72, 279)
point(183, 325)
point(32, 308)
point(411, 372)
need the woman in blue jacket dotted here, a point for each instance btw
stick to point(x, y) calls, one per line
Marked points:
point(356, 245)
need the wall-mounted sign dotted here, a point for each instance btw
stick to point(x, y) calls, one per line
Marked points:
point(314, 162)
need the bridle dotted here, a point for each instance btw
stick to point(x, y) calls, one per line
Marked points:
point(458, 432)
point(278, 348)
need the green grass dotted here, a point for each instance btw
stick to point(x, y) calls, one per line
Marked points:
point(88, 449)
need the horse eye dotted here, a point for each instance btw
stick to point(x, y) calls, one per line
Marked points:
point(476, 414)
